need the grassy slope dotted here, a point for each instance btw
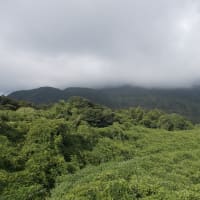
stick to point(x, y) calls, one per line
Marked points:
point(166, 165)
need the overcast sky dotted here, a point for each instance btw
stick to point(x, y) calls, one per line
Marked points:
point(95, 43)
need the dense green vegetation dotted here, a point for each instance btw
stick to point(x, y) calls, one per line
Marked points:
point(182, 101)
point(11, 104)
point(77, 150)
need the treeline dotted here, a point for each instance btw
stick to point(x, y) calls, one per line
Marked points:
point(39, 145)
point(182, 101)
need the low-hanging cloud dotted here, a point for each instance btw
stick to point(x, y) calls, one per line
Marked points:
point(95, 43)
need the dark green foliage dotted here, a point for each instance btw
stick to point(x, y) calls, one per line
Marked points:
point(98, 116)
point(11, 104)
point(174, 122)
point(7, 103)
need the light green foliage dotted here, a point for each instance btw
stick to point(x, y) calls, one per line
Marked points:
point(164, 166)
point(153, 119)
point(79, 150)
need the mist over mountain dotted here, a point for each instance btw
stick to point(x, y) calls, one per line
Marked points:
point(96, 43)
point(119, 116)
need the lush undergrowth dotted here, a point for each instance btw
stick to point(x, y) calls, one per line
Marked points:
point(164, 166)
point(78, 150)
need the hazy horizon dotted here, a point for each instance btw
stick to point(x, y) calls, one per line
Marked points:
point(105, 87)
point(94, 44)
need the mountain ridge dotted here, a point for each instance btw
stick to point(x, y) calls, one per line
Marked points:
point(184, 101)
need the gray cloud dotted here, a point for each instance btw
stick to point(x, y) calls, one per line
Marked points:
point(95, 43)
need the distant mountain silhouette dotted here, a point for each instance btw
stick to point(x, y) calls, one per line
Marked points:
point(182, 101)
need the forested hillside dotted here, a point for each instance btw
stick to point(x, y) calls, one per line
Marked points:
point(182, 101)
point(124, 120)
point(81, 150)
point(11, 104)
